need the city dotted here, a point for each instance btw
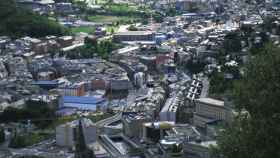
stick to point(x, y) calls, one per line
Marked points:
point(139, 78)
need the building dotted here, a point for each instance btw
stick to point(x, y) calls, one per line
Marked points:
point(119, 84)
point(46, 84)
point(46, 75)
point(3, 70)
point(208, 110)
point(161, 59)
point(4, 40)
point(42, 48)
point(134, 36)
point(65, 135)
point(154, 131)
point(139, 79)
point(133, 123)
point(100, 31)
point(171, 148)
point(39, 6)
point(77, 89)
point(199, 149)
point(169, 110)
point(64, 8)
point(65, 41)
point(82, 103)
point(98, 84)
point(187, 5)
point(149, 61)
point(202, 121)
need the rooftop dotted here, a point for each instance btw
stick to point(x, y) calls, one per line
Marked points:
point(82, 100)
point(135, 33)
point(210, 101)
point(205, 144)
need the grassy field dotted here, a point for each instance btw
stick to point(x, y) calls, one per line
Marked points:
point(112, 19)
point(117, 8)
point(83, 29)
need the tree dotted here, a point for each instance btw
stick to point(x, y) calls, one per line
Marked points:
point(171, 12)
point(2, 135)
point(31, 156)
point(132, 28)
point(158, 17)
point(17, 22)
point(232, 42)
point(195, 66)
point(255, 131)
point(18, 141)
point(135, 152)
point(32, 110)
point(7, 8)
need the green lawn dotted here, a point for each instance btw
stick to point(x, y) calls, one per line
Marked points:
point(121, 8)
point(112, 19)
point(82, 29)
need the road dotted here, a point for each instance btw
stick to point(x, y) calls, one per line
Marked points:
point(102, 123)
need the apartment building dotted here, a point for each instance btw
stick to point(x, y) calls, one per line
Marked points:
point(208, 110)
point(134, 36)
point(65, 134)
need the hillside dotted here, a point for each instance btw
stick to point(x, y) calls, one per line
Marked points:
point(18, 22)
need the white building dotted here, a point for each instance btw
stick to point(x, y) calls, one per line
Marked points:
point(208, 110)
point(65, 133)
point(168, 112)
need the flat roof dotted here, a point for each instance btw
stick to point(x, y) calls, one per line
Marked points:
point(135, 33)
point(127, 49)
point(72, 47)
point(205, 144)
point(211, 101)
point(45, 83)
point(82, 100)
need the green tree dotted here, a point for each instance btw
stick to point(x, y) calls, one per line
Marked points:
point(2, 135)
point(232, 42)
point(132, 28)
point(255, 131)
point(135, 152)
point(158, 17)
point(33, 110)
point(7, 8)
point(195, 67)
point(17, 22)
point(171, 12)
point(17, 141)
point(31, 157)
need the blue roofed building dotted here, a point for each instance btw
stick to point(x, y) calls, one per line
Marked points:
point(83, 103)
